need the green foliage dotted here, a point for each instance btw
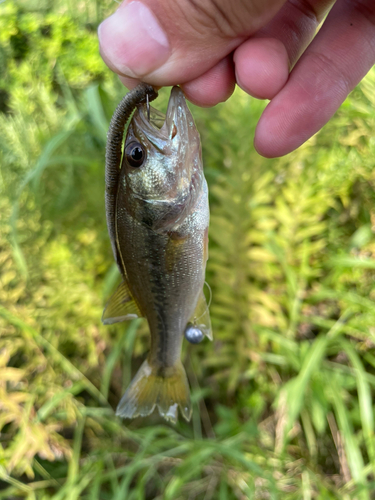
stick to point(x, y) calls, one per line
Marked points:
point(284, 396)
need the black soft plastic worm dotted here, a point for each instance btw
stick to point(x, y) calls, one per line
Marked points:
point(114, 148)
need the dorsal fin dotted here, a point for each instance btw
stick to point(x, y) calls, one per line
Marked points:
point(121, 306)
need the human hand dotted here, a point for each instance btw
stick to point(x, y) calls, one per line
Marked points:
point(264, 46)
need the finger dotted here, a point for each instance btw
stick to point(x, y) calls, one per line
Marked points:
point(295, 25)
point(214, 86)
point(263, 62)
point(262, 67)
point(129, 83)
point(175, 41)
point(337, 59)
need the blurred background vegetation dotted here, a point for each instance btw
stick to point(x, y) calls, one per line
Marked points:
point(283, 397)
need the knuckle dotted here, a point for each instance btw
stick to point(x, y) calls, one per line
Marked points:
point(364, 7)
point(304, 7)
point(216, 15)
point(331, 70)
point(314, 10)
point(364, 12)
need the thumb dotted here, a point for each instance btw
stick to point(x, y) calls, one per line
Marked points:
point(167, 42)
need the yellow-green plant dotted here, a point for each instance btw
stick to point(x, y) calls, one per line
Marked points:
point(283, 397)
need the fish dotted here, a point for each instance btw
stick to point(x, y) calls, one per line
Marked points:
point(158, 215)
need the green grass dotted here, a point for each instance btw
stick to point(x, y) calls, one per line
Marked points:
point(284, 396)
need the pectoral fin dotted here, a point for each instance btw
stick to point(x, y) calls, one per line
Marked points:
point(121, 306)
point(201, 317)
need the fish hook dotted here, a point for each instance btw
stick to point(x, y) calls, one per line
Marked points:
point(148, 107)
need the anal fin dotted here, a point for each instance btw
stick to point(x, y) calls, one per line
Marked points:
point(201, 317)
point(120, 307)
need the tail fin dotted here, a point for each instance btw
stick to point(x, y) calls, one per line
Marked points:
point(166, 388)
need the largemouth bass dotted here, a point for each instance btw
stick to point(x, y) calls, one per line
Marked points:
point(157, 216)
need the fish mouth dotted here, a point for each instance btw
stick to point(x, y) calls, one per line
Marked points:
point(177, 124)
point(173, 145)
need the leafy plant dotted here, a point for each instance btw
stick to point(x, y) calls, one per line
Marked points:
point(283, 397)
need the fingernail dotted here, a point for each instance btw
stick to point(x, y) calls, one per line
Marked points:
point(133, 40)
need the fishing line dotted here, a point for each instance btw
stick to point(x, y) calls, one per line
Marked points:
point(148, 107)
point(209, 289)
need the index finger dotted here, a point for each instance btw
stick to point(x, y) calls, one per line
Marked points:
point(337, 59)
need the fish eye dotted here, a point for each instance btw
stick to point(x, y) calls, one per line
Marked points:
point(135, 154)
